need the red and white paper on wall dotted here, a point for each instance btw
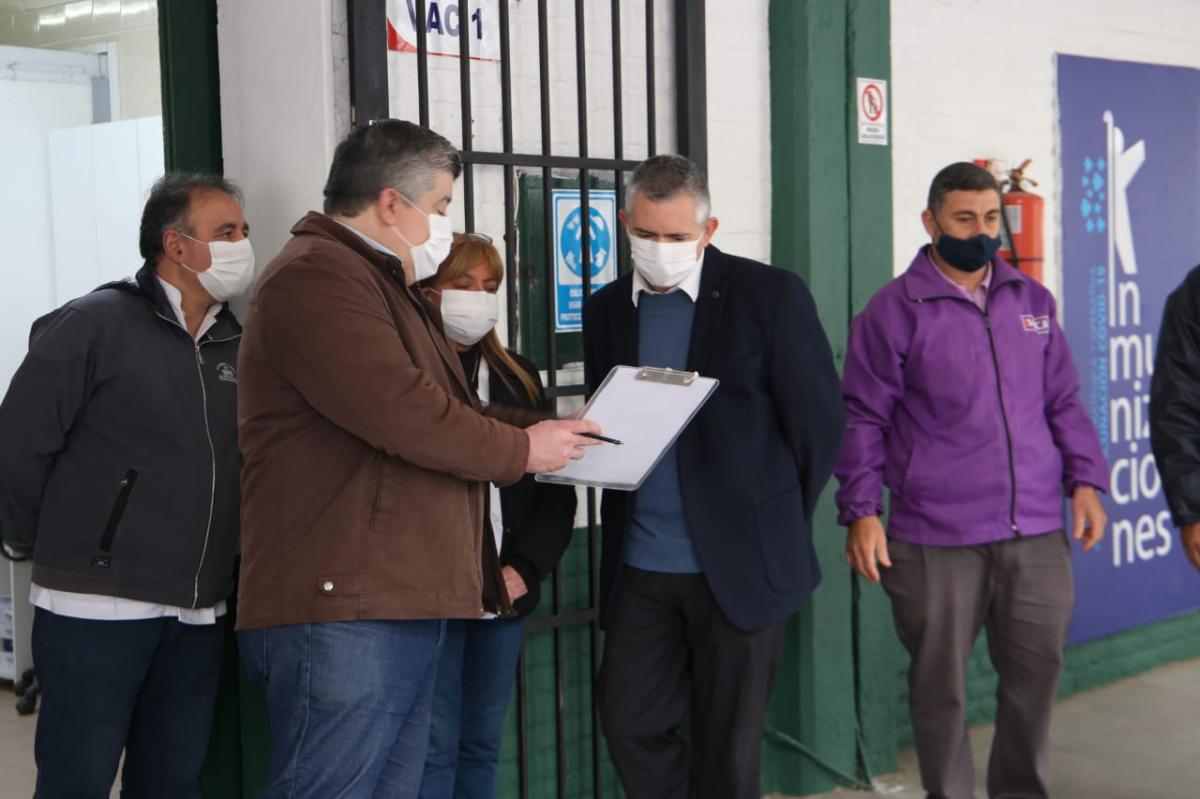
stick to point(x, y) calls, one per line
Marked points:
point(444, 20)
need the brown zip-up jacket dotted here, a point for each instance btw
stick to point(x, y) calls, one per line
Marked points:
point(367, 454)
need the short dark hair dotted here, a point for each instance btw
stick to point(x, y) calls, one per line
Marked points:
point(169, 204)
point(663, 176)
point(387, 154)
point(961, 176)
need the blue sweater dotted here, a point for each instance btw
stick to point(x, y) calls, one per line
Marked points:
point(659, 539)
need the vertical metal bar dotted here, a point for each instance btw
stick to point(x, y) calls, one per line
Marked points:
point(691, 110)
point(522, 718)
point(651, 109)
point(618, 134)
point(560, 697)
point(464, 83)
point(367, 35)
point(510, 211)
point(548, 265)
point(594, 630)
point(552, 355)
point(585, 237)
point(510, 261)
point(585, 218)
point(422, 64)
point(590, 493)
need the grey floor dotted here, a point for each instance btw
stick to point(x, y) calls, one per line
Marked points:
point(1135, 739)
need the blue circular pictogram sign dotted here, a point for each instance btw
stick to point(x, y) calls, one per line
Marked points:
point(570, 242)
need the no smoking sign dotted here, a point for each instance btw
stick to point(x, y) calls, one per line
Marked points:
point(872, 111)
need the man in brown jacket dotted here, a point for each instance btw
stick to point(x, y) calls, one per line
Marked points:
point(367, 464)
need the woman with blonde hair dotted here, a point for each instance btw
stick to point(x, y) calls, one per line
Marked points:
point(531, 523)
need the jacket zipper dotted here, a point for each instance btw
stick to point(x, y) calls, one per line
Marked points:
point(1012, 466)
point(212, 497)
point(212, 451)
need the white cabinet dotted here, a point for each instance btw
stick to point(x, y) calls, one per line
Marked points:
point(16, 619)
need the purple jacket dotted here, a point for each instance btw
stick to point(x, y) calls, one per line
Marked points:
point(973, 422)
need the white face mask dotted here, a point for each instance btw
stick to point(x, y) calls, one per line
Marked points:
point(468, 316)
point(428, 256)
point(663, 265)
point(232, 269)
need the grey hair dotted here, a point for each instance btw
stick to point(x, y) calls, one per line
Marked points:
point(387, 154)
point(663, 177)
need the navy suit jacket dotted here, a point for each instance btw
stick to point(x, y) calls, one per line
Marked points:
point(753, 461)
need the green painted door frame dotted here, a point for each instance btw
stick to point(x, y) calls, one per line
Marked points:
point(191, 90)
point(191, 109)
point(831, 223)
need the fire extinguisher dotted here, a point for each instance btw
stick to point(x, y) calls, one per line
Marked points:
point(1022, 217)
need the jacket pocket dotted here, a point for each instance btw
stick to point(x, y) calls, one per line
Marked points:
point(118, 510)
point(781, 533)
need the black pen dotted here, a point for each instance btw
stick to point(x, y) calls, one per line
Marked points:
point(599, 437)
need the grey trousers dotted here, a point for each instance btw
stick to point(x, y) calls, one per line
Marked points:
point(1021, 591)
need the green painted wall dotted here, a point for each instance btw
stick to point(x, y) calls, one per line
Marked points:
point(831, 222)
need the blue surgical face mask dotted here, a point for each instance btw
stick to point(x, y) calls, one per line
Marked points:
point(967, 255)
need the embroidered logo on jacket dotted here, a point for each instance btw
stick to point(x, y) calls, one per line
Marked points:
point(226, 373)
point(1035, 324)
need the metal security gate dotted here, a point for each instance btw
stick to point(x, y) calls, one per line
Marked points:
point(565, 630)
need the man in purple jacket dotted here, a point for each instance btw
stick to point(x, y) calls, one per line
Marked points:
point(962, 400)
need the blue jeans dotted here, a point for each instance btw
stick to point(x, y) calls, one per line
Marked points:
point(146, 686)
point(348, 705)
point(474, 685)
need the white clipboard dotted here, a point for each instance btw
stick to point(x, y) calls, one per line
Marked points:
point(645, 409)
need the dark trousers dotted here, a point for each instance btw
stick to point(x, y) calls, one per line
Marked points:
point(1020, 590)
point(471, 695)
point(145, 687)
point(349, 705)
point(668, 651)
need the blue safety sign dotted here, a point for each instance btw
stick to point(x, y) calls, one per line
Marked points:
point(568, 251)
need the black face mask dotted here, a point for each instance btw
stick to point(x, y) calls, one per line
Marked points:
point(968, 255)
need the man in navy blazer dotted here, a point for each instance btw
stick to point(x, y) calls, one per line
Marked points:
point(702, 565)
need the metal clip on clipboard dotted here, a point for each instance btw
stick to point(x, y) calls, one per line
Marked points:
point(644, 407)
point(669, 376)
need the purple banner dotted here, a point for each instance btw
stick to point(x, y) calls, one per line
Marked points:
point(1130, 143)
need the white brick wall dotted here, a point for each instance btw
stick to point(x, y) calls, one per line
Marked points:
point(284, 106)
point(977, 79)
point(739, 125)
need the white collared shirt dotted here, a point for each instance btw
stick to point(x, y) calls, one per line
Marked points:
point(175, 297)
point(690, 284)
point(374, 244)
point(98, 607)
